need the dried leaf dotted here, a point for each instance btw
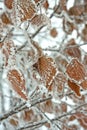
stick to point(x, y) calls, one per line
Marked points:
point(17, 81)
point(82, 118)
point(5, 19)
point(61, 61)
point(23, 11)
point(40, 20)
point(63, 4)
point(84, 84)
point(71, 49)
point(64, 107)
point(76, 70)
point(59, 83)
point(68, 27)
point(8, 49)
point(14, 121)
point(8, 3)
point(74, 87)
point(46, 4)
point(28, 115)
point(53, 32)
point(76, 10)
point(47, 69)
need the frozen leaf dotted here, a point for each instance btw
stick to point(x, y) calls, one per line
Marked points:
point(64, 107)
point(63, 4)
point(61, 61)
point(40, 20)
point(22, 11)
point(71, 49)
point(76, 70)
point(68, 27)
point(82, 118)
point(74, 87)
point(14, 121)
point(5, 18)
point(46, 4)
point(59, 83)
point(53, 32)
point(28, 115)
point(84, 84)
point(17, 81)
point(8, 3)
point(8, 49)
point(47, 106)
point(47, 69)
point(76, 10)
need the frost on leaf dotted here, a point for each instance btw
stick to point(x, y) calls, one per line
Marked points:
point(74, 87)
point(14, 121)
point(8, 49)
point(76, 10)
point(17, 81)
point(8, 3)
point(59, 83)
point(5, 18)
point(76, 70)
point(71, 49)
point(82, 119)
point(22, 11)
point(47, 69)
point(61, 61)
point(84, 84)
point(40, 20)
point(28, 115)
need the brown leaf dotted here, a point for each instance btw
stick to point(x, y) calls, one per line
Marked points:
point(61, 61)
point(17, 81)
point(59, 83)
point(40, 20)
point(46, 4)
point(76, 70)
point(8, 3)
point(23, 11)
point(76, 10)
point(8, 49)
point(84, 84)
point(71, 49)
point(14, 121)
point(68, 27)
point(47, 69)
point(5, 19)
point(64, 107)
point(82, 118)
point(53, 32)
point(28, 115)
point(74, 87)
point(63, 4)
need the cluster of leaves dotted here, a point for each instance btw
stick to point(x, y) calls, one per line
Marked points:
point(46, 85)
